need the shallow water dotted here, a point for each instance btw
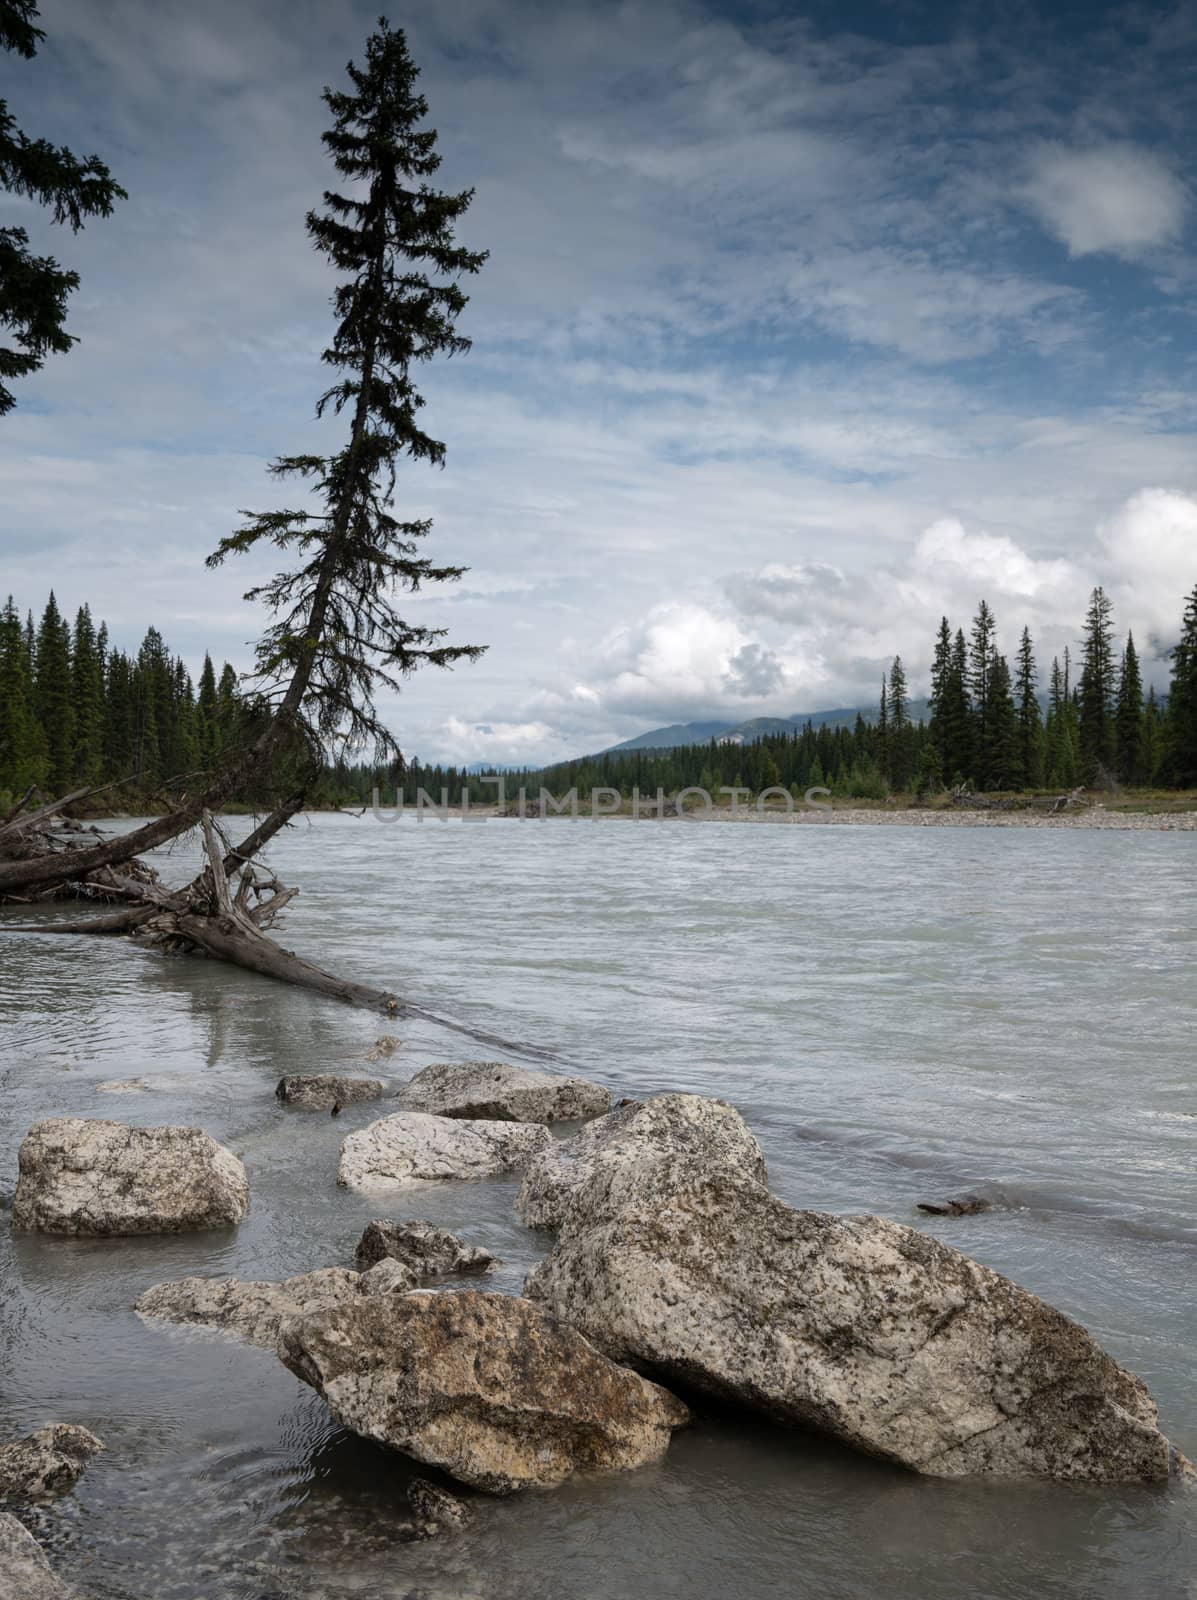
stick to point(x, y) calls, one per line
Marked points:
point(900, 1014)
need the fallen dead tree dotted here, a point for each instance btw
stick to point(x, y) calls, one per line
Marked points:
point(224, 913)
point(336, 634)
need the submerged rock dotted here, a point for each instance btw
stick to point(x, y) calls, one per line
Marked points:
point(491, 1389)
point(86, 1176)
point(869, 1331)
point(496, 1091)
point(324, 1091)
point(966, 1206)
point(437, 1506)
point(47, 1462)
point(567, 1177)
point(24, 1571)
point(247, 1309)
point(412, 1147)
point(426, 1250)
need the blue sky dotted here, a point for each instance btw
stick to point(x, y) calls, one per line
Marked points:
point(801, 326)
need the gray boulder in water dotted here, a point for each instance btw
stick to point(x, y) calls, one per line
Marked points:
point(428, 1251)
point(411, 1148)
point(24, 1571)
point(322, 1091)
point(566, 1180)
point(866, 1330)
point(47, 1462)
point(494, 1090)
point(489, 1388)
point(87, 1176)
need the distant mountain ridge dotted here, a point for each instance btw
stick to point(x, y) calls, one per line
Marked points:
point(681, 733)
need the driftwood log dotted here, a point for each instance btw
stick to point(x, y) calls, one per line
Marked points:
point(224, 913)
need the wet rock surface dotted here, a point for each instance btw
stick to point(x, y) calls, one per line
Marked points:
point(25, 1574)
point(412, 1147)
point(47, 1462)
point(247, 1309)
point(92, 1177)
point(864, 1329)
point(568, 1178)
point(966, 1205)
point(489, 1388)
point(428, 1251)
point(323, 1091)
point(494, 1090)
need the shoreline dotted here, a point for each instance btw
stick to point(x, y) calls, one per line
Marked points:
point(1094, 818)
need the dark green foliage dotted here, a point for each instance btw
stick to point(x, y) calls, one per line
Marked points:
point(34, 289)
point(87, 715)
point(22, 747)
point(1003, 757)
point(87, 696)
point(338, 636)
point(52, 697)
point(1181, 744)
point(1128, 717)
point(1027, 772)
point(982, 655)
point(901, 755)
point(1098, 691)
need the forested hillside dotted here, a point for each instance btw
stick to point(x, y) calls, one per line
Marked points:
point(76, 710)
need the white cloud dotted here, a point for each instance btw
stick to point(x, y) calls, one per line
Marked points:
point(1116, 197)
point(1149, 549)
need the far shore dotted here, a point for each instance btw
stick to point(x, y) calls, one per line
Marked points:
point(842, 814)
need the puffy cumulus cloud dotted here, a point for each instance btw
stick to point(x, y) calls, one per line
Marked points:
point(1116, 197)
point(1149, 551)
point(685, 659)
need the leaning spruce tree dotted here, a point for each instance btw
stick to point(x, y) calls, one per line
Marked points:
point(337, 636)
point(34, 289)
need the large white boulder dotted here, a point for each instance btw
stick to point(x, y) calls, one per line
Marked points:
point(81, 1175)
point(565, 1179)
point(861, 1328)
point(489, 1388)
point(499, 1092)
point(411, 1148)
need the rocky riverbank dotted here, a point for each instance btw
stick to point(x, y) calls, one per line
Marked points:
point(672, 1278)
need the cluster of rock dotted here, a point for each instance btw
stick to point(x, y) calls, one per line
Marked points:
point(673, 1255)
point(673, 1263)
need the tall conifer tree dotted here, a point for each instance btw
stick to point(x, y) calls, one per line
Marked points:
point(1181, 758)
point(53, 699)
point(1098, 691)
point(1128, 716)
point(338, 637)
point(1028, 772)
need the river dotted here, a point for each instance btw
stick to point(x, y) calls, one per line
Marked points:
point(898, 1013)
